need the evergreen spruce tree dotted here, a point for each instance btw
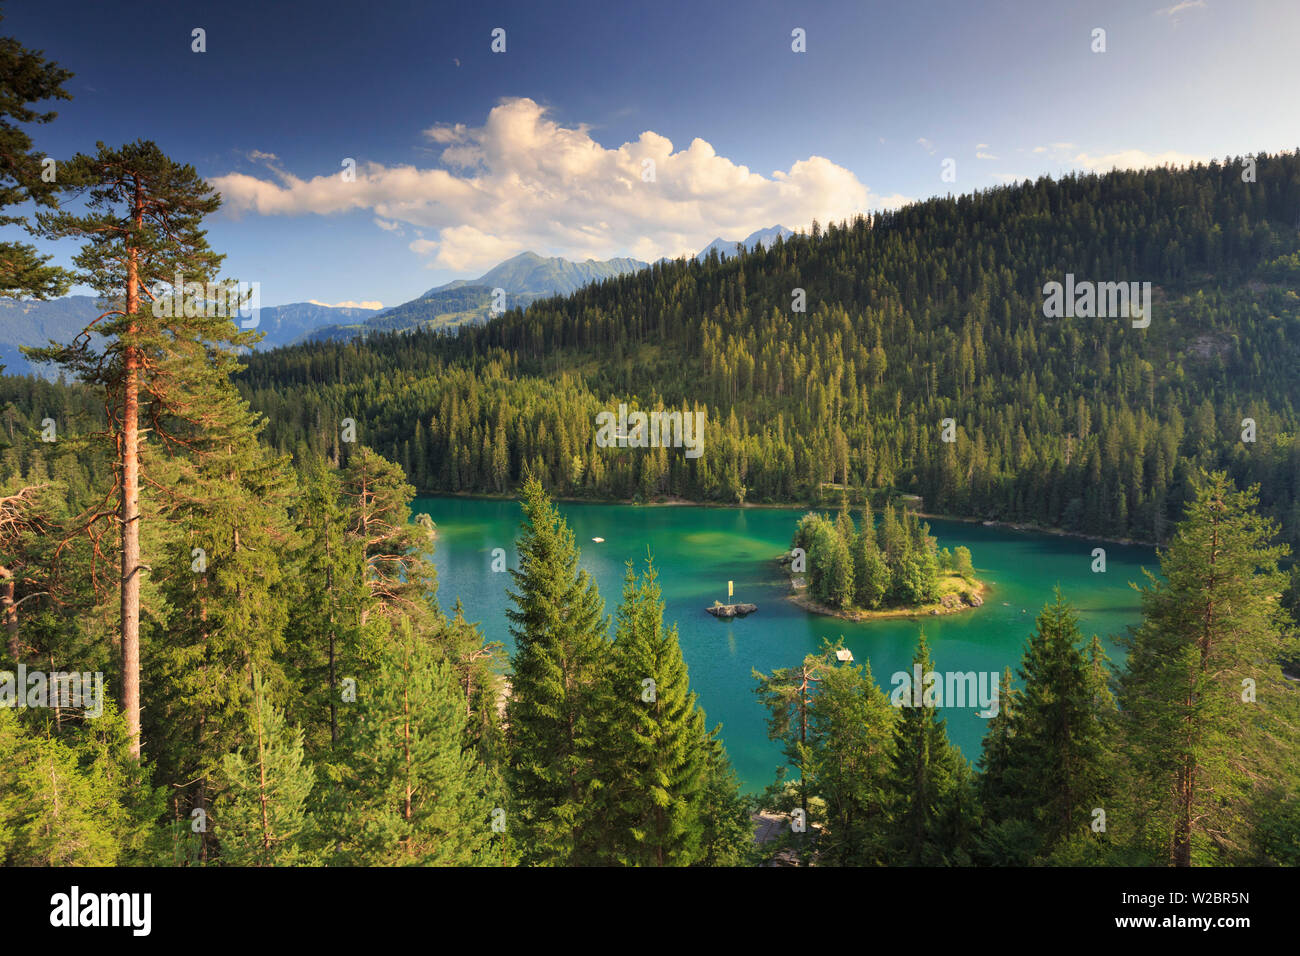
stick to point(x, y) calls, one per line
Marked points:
point(1203, 703)
point(826, 568)
point(839, 583)
point(1008, 838)
point(27, 78)
point(561, 648)
point(51, 812)
point(892, 537)
point(655, 756)
point(844, 523)
point(397, 570)
point(323, 634)
point(852, 728)
point(727, 838)
point(870, 573)
point(927, 775)
point(220, 574)
point(76, 799)
point(260, 813)
point(1053, 766)
point(411, 793)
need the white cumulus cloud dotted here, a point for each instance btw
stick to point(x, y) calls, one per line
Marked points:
point(1134, 159)
point(522, 181)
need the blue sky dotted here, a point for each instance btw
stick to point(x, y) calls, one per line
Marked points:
point(465, 156)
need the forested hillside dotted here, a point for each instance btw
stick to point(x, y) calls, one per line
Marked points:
point(223, 642)
point(931, 312)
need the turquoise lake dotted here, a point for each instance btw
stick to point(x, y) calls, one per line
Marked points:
point(697, 550)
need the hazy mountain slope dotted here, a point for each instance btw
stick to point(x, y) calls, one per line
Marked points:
point(60, 320)
point(29, 322)
point(525, 278)
point(531, 273)
point(284, 324)
point(460, 304)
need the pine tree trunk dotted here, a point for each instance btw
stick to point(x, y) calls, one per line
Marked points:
point(329, 585)
point(10, 612)
point(409, 837)
point(131, 503)
point(803, 740)
point(261, 781)
point(406, 747)
point(1182, 848)
point(918, 802)
point(1182, 851)
point(201, 794)
point(365, 539)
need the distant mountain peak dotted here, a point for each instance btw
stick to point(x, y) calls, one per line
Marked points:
point(528, 273)
point(727, 248)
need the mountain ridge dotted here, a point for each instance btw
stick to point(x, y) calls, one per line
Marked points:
point(525, 277)
point(37, 322)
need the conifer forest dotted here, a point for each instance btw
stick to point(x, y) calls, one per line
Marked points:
point(293, 584)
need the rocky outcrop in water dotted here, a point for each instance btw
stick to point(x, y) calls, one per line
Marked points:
point(731, 610)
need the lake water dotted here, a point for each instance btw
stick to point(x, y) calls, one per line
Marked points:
point(697, 550)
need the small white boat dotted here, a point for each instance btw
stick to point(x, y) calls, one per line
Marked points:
point(599, 540)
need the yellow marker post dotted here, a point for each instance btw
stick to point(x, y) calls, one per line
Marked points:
point(729, 589)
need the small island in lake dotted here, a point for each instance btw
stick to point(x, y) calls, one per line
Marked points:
point(720, 610)
point(893, 568)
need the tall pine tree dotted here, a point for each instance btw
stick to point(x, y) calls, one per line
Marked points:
point(928, 776)
point(654, 758)
point(1203, 701)
point(260, 814)
point(143, 230)
point(559, 631)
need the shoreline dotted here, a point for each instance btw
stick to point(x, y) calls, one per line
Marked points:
point(1040, 529)
point(859, 616)
point(674, 502)
point(569, 499)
